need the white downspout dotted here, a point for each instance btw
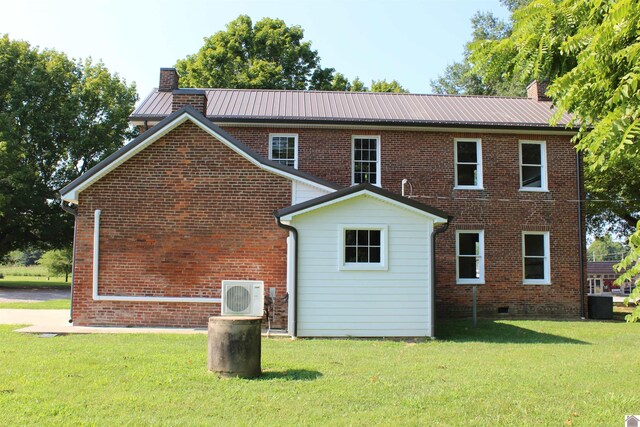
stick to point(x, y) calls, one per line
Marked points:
point(96, 251)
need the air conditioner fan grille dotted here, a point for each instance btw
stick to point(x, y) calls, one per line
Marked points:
point(238, 298)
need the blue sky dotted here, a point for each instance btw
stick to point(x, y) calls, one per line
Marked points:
point(407, 40)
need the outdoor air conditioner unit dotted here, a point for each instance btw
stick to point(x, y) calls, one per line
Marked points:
point(242, 298)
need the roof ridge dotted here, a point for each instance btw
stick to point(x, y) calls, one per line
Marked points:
point(443, 95)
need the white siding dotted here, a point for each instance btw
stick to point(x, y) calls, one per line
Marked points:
point(392, 302)
point(303, 192)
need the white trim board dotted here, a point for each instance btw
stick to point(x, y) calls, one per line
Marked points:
point(561, 131)
point(72, 196)
point(368, 193)
point(96, 263)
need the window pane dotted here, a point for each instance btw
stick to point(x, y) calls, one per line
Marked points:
point(363, 254)
point(350, 254)
point(531, 154)
point(532, 176)
point(468, 243)
point(467, 151)
point(468, 268)
point(534, 245)
point(363, 237)
point(374, 237)
point(534, 268)
point(371, 177)
point(467, 175)
point(374, 254)
point(350, 237)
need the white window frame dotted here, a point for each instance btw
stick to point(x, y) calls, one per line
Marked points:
point(467, 281)
point(543, 166)
point(285, 135)
point(378, 161)
point(547, 259)
point(360, 266)
point(479, 184)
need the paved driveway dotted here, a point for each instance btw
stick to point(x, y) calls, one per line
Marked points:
point(32, 295)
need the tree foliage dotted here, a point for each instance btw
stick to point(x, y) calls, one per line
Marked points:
point(265, 55)
point(606, 249)
point(58, 117)
point(58, 262)
point(268, 55)
point(385, 86)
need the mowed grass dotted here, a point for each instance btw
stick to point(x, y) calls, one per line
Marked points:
point(33, 282)
point(503, 373)
point(54, 304)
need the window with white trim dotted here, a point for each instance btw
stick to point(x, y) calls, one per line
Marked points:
point(470, 257)
point(363, 248)
point(535, 257)
point(533, 166)
point(283, 148)
point(468, 163)
point(366, 159)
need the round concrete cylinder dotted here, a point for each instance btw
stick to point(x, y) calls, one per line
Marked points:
point(234, 346)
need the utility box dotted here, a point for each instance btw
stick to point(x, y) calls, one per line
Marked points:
point(235, 346)
point(600, 307)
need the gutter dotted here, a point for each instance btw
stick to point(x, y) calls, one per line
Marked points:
point(294, 232)
point(73, 212)
point(434, 233)
point(580, 241)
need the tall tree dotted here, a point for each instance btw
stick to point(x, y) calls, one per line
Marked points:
point(58, 262)
point(58, 117)
point(268, 55)
point(265, 55)
point(462, 78)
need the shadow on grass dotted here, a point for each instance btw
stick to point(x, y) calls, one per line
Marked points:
point(290, 375)
point(493, 331)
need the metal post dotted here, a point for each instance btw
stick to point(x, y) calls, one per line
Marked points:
point(474, 315)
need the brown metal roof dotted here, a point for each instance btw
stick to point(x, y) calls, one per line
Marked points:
point(601, 267)
point(256, 105)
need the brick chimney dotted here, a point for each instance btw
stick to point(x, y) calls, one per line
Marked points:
point(168, 79)
point(538, 91)
point(197, 98)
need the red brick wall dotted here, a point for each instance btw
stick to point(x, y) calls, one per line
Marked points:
point(177, 219)
point(426, 159)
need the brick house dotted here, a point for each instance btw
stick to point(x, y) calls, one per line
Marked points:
point(335, 201)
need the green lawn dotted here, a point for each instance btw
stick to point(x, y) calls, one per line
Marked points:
point(33, 282)
point(53, 304)
point(503, 373)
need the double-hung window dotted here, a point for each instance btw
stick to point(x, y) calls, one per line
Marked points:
point(533, 166)
point(366, 159)
point(470, 257)
point(363, 248)
point(535, 257)
point(283, 148)
point(468, 163)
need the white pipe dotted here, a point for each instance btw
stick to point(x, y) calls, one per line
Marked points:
point(96, 251)
point(96, 259)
